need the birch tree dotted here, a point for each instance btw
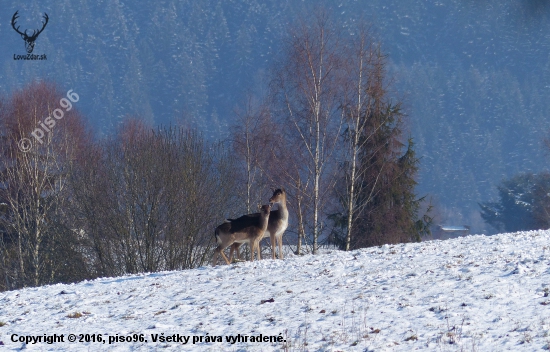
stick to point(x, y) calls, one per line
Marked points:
point(34, 191)
point(252, 136)
point(362, 96)
point(306, 89)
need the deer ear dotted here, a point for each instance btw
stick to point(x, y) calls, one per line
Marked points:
point(259, 206)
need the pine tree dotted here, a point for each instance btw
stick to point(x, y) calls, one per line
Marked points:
point(387, 209)
point(523, 204)
point(390, 207)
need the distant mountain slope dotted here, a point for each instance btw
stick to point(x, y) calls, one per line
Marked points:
point(474, 293)
point(474, 75)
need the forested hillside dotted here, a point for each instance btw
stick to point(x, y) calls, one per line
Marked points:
point(474, 75)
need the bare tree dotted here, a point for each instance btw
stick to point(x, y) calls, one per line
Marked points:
point(153, 198)
point(286, 168)
point(362, 96)
point(34, 189)
point(252, 135)
point(307, 88)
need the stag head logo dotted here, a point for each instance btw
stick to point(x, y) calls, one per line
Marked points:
point(29, 39)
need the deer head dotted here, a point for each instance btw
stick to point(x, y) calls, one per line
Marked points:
point(278, 196)
point(29, 39)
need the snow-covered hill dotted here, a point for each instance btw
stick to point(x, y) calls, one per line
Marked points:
point(476, 293)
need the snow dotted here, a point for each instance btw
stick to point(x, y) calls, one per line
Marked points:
point(475, 293)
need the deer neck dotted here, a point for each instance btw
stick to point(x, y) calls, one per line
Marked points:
point(264, 220)
point(282, 209)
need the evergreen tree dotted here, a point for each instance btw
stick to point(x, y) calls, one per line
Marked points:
point(390, 207)
point(387, 208)
point(523, 204)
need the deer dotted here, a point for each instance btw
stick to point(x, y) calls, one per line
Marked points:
point(29, 39)
point(277, 224)
point(242, 230)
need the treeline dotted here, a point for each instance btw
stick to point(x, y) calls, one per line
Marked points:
point(147, 199)
point(523, 204)
point(141, 200)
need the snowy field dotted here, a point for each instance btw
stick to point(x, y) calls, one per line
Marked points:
point(478, 293)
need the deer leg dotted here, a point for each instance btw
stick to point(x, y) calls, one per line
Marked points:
point(257, 244)
point(224, 257)
point(232, 250)
point(237, 249)
point(280, 241)
point(272, 238)
point(215, 257)
point(252, 244)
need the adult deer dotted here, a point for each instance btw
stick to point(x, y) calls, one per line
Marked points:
point(242, 230)
point(278, 222)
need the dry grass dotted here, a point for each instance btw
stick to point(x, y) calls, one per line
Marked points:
point(74, 315)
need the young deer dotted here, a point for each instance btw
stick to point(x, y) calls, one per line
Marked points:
point(242, 230)
point(278, 222)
